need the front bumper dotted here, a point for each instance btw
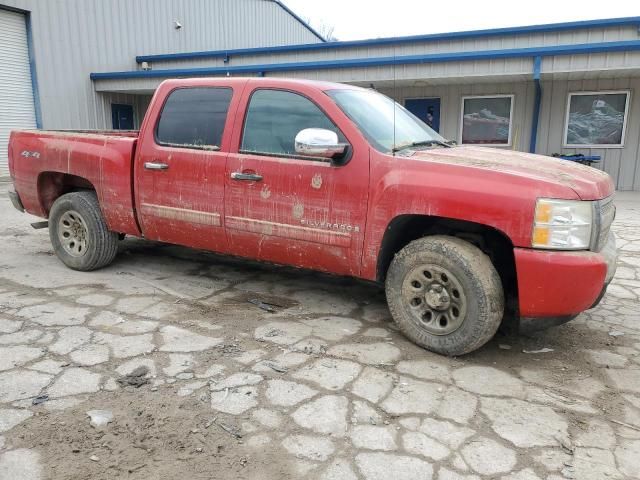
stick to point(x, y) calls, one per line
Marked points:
point(15, 200)
point(611, 255)
point(561, 283)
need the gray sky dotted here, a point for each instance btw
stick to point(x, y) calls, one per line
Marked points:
point(357, 19)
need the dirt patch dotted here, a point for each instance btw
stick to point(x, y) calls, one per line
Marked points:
point(153, 435)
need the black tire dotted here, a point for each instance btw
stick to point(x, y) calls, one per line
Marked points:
point(99, 245)
point(475, 285)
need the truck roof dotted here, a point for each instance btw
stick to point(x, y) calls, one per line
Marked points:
point(271, 81)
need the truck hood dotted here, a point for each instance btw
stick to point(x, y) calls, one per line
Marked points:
point(587, 182)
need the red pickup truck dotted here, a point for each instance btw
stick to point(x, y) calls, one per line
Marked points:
point(339, 179)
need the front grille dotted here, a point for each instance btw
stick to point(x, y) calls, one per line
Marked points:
point(605, 213)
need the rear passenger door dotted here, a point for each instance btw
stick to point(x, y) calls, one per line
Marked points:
point(286, 208)
point(181, 166)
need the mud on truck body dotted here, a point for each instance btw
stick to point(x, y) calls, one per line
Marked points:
point(338, 179)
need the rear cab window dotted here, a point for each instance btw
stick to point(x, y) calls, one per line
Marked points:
point(274, 118)
point(194, 117)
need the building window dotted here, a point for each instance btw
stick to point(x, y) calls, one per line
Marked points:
point(194, 118)
point(596, 119)
point(486, 120)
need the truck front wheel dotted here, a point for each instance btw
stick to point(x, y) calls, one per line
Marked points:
point(445, 294)
point(79, 234)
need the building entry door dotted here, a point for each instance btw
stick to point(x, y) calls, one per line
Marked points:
point(426, 109)
point(122, 116)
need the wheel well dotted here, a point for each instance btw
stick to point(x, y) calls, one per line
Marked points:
point(52, 185)
point(405, 228)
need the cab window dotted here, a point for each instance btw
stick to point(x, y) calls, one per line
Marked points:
point(194, 118)
point(274, 118)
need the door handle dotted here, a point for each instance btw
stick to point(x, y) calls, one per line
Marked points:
point(155, 166)
point(250, 177)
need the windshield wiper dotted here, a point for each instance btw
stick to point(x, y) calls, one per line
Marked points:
point(423, 143)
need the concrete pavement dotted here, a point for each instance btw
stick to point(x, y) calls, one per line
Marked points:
point(324, 387)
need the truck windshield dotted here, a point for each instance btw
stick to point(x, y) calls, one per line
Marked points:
point(373, 113)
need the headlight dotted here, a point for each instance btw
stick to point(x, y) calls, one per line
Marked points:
point(562, 224)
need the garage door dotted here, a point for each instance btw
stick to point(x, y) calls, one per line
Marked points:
point(16, 95)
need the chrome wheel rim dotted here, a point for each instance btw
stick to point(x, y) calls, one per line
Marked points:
point(72, 233)
point(435, 298)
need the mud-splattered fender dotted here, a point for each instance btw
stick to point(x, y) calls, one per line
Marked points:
point(406, 186)
point(101, 161)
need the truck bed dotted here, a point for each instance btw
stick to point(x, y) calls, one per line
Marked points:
point(46, 163)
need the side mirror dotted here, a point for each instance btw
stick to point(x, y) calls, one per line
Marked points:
point(318, 142)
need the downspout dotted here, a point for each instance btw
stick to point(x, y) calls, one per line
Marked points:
point(537, 64)
point(32, 67)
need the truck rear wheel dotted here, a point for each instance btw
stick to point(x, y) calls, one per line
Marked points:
point(445, 294)
point(79, 234)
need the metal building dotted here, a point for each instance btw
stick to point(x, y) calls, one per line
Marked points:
point(49, 48)
point(562, 88)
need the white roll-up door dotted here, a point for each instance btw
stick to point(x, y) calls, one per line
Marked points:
point(16, 94)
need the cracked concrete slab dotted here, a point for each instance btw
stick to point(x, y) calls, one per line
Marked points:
point(369, 437)
point(70, 338)
point(74, 381)
point(234, 400)
point(236, 380)
point(488, 457)
point(286, 394)
point(112, 322)
point(373, 384)
point(370, 353)
point(333, 328)
point(282, 333)
point(446, 432)
point(20, 464)
point(488, 381)
point(17, 356)
point(88, 355)
point(325, 388)
point(20, 384)
point(327, 415)
point(329, 373)
point(25, 336)
point(126, 346)
point(377, 466)
point(419, 444)
point(53, 314)
point(305, 446)
point(339, 470)
point(413, 396)
point(10, 417)
point(177, 339)
point(523, 424)
point(10, 326)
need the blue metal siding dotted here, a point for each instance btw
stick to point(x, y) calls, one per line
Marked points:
point(475, 34)
point(588, 48)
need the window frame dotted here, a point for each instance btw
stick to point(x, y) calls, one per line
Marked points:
point(625, 119)
point(509, 143)
point(206, 148)
point(344, 160)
